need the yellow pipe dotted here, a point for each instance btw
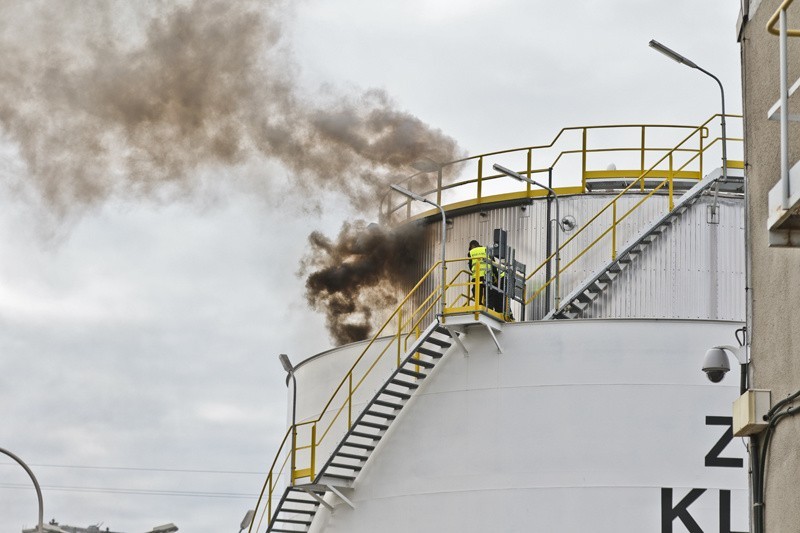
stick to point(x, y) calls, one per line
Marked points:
point(774, 19)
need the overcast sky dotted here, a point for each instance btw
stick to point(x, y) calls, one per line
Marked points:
point(139, 339)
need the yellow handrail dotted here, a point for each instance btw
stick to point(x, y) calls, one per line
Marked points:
point(612, 204)
point(774, 19)
point(388, 210)
point(269, 484)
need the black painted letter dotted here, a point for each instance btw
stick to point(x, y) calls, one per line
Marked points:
point(670, 513)
point(712, 457)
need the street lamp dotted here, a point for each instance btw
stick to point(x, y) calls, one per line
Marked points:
point(247, 520)
point(675, 56)
point(287, 366)
point(716, 364)
point(517, 176)
point(405, 192)
point(36, 486)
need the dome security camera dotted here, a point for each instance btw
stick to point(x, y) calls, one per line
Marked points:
point(716, 365)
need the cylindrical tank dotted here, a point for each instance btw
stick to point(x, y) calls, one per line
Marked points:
point(602, 422)
point(585, 425)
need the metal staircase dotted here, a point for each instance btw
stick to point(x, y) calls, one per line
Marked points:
point(299, 503)
point(580, 299)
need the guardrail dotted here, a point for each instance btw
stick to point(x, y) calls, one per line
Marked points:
point(464, 182)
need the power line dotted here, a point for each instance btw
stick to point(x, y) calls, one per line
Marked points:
point(142, 492)
point(143, 469)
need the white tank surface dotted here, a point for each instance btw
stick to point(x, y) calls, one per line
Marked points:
point(591, 425)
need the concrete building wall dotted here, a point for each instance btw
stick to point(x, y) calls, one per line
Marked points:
point(775, 272)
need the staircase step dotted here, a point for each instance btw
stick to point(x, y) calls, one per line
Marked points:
point(443, 331)
point(297, 500)
point(428, 351)
point(420, 362)
point(358, 445)
point(395, 394)
point(412, 373)
point(339, 476)
point(606, 277)
point(388, 416)
point(291, 521)
point(344, 465)
point(390, 405)
point(439, 342)
point(276, 530)
point(352, 456)
point(299, 511)
point(585, 297)
point(365, 435)
point(372, 425)
point(406, 384)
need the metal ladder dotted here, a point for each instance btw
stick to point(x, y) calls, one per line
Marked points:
point(580, 299)
point(299, 503)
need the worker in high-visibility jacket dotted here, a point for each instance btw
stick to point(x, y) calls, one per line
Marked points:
point(478, 262)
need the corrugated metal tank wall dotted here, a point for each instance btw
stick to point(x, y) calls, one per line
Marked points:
point(693, 270)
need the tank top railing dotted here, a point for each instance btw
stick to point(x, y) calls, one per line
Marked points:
point(576, 157)
point(599, 228)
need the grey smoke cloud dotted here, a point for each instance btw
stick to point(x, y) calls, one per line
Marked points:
point(362, 270)
point(105, 102)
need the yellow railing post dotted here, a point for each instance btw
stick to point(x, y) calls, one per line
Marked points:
point(350, 398)
point(700, 134)
point(530, 160)
point(480, 177)
point(669, 177)
point(614, 232)
point(269, 496)
point(476, 291)
point(313, 451)
point(399, 334)
point(583, 161)
point(641, 172)
point(294, 453)
point(445, 287)
point(439, 186)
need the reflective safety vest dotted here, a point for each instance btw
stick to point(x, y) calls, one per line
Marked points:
point(477, 261)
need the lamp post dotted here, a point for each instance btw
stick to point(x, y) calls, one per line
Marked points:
point(675, 56)
point(287, 366)
point(36, 486)
point(517, 176)
point(417, 197)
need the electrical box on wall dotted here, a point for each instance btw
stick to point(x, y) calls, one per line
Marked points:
point(749, 410)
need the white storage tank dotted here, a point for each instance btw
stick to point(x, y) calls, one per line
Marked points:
point(591, 414)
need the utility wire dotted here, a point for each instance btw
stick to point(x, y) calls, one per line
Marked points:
point(143, 492)
point(143, 469)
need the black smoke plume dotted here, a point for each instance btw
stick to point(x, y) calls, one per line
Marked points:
point(145, 100)
point(358, 277)
point(138, 99)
